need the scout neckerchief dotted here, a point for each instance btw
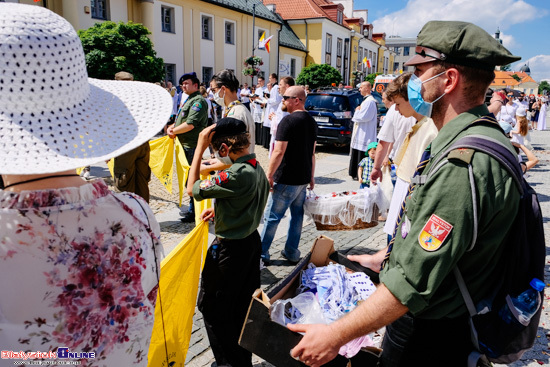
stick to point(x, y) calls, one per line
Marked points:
point(405, 145)
point(423, 162)
point(230, 106)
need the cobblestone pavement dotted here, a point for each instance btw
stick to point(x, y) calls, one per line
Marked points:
point(360, 241)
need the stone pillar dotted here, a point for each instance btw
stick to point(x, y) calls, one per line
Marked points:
point(148, 15)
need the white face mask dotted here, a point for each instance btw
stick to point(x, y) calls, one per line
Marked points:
point(219, 100)
point(224, 160)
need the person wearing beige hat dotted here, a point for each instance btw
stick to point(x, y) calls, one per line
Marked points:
point(444, 224)
point(79, 263)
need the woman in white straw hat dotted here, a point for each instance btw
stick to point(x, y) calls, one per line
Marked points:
point(79, 263)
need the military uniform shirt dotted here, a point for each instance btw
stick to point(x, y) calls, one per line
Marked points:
point(241, 194)
point(194, 112)
point(438, 228)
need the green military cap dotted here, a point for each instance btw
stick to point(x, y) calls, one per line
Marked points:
point(460, 43)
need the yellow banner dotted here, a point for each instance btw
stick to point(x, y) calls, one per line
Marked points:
point(182, 167)
point(179, 282)
point(161, 160)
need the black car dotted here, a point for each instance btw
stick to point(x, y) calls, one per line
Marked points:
point(333, 109)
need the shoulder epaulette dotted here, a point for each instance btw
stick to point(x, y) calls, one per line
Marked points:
point(462, 154)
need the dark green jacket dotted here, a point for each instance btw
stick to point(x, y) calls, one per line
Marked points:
point(194, 112)
point(241, 193)
point(419, 272)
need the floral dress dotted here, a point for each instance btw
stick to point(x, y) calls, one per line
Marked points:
point(79, 270)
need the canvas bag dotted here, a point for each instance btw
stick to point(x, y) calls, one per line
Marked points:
point(523, 260)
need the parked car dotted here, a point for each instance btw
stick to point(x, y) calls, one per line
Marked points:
point(332, 109)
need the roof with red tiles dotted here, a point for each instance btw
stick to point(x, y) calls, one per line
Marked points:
point(307, 9)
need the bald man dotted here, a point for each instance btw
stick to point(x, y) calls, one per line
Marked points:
point(291, 169)
point(364, 129)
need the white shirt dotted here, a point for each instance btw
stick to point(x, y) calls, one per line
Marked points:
point(245, 93)
point(508, 114)
point(260, 92)
point(395, 129)
point(365, 124)
point(273, 103)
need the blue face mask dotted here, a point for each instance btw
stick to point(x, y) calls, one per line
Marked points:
point(414, 91)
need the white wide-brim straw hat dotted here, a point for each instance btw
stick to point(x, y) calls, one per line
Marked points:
point(52, 116)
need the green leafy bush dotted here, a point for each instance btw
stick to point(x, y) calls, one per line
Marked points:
point(316, 76)
point(112, 47)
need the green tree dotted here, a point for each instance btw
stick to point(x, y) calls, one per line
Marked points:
point(370, 78)
point(112, 47)
point(316, 76)
point(544, 86)
point(506, 67)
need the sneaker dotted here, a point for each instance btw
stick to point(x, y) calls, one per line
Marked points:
point(292, 261)
point(265, 261)
point(86, 175)
point(188, 218)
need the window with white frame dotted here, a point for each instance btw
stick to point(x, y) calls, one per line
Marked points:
point(328, 49)
point(328, 46)
point(99, 9)
point(206, 24)
point(207, 74)
point(170, 73)
point(339, 43)
point(340, 17)
point(406, 51)
point(230, 33)
point(167, 20)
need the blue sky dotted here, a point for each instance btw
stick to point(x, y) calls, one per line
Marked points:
point(524, 24)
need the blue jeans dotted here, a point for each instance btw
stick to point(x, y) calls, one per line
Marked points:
point(282, 198)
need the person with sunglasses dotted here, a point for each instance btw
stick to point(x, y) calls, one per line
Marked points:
point(291, 169)
point(507, 114)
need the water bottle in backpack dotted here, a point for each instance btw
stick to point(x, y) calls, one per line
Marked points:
point(526, 304)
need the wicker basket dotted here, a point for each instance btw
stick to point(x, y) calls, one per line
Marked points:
point(339, 226)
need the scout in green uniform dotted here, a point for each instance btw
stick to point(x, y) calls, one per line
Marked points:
point(231, 271)
point(191, 119)
point(418, 297)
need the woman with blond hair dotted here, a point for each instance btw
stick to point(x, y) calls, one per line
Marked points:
point(521, 129)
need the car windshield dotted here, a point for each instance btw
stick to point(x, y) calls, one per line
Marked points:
point(325, 102)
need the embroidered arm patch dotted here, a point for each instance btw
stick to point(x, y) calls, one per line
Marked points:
point(196, 106)
point(434, 233)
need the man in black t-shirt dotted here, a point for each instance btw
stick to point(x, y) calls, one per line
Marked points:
point(291, 169)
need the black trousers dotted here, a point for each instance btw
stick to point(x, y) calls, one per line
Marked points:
point(258, 133)
point(266, 136)
point(411, 341)
point(354, 158)
point(228, 283)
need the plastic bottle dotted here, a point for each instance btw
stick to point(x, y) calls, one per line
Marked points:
point(526, 304)
point(215, 251)
point(393, 173)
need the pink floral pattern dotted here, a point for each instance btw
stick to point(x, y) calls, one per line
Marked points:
point(86, 261)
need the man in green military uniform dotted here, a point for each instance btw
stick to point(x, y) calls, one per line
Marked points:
point(191, 119)
point(418, 298)
point(231, 271)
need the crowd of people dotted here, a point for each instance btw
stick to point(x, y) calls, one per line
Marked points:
point(91, 257)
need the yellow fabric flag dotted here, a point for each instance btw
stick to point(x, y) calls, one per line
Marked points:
point(179, 282)
point(111, 165)
point(182, 167)
point(161, 160)
point(200, 206)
